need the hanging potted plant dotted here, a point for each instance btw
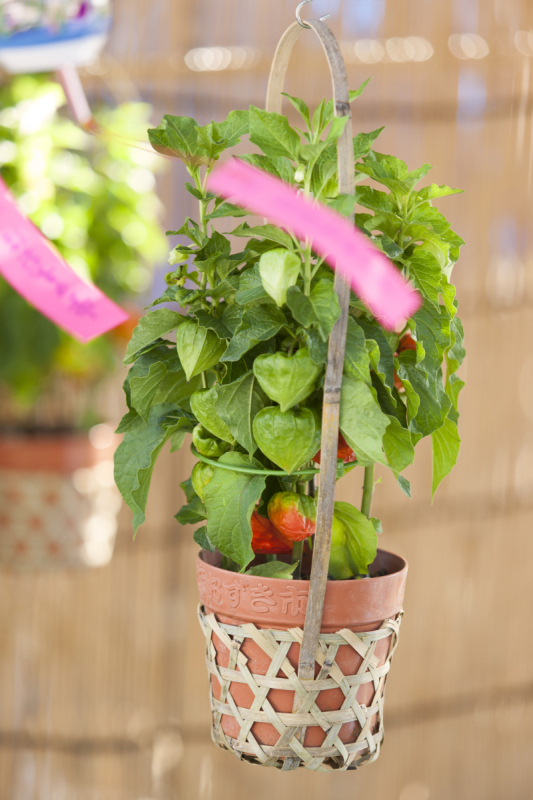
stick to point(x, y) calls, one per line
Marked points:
point(297, 663)
point(94, 200)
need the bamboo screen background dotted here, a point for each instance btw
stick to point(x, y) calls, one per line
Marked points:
point(99, 699)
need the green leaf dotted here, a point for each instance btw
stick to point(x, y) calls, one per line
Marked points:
point(448, 295)
point(404, 485)
point(135, 459)
point(188, 489)
point(362, 422)
point(343, 204)
point(203, 404)
point(258, 325)
point(387, 246)
point(144, 379)
point(279, 167)
point(191, 229)
point(363, 142)
point(288, 438)
point(232, 317)
point(287, 379)
point(425, 271)
point(356, 358)
point(233, 127)
point(175, 389)
point(250, 286)
point(326, 305)
point(230, 498)
point(237, 405)
point(321, 308)
point(227, 210)
point(378, 527)
point(149, 328)
point(324, 175)
point(384, 367)
point(434, 402)
point(168, 296)
point(178, 420)
point(433, 332)
point(176, 440)
point(301, 307)
point(398, 446)
point(269, 232)
point(445, 444)
point(433, 191)
point(390, 403)
point(380, 202)
point(202, 539)
point(214, 138)
point(326, 111)
point(279, 270)
point(431, 218)
point(178, 137)
point(212, 323)
point(361, 540)
point(454, 358)
point(273, 134)
point(128, 421)
point(193, 512)
point(337, 127)
point(273, 569)
point(387, 170)
point(317, 347)
point(300, 106)
point(198, 348)
point(144, 389)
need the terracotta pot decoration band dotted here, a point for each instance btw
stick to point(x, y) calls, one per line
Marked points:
point(332, 753)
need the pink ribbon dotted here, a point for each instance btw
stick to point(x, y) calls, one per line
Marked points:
point(372, 276)
point(41, 275)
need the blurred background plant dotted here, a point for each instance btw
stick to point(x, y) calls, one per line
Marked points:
point(94, 198)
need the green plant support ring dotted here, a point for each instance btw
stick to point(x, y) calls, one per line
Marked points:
point(341, 468)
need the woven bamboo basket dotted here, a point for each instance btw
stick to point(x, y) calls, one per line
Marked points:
point(58, 503)
point(301, 664)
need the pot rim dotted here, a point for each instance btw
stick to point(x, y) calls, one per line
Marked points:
point(403, 569)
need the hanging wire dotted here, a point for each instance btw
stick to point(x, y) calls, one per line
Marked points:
point(299, 19)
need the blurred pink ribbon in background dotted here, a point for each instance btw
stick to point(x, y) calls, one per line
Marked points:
point(372, 276)
point(37, 271)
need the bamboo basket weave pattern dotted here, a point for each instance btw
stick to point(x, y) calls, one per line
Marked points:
point(333, 753)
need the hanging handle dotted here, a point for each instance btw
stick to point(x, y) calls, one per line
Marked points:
point(337, 340)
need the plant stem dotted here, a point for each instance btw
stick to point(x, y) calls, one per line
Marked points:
point(298, 547)
point(271, 557)
point(307, 272)
point(368, 490)
point(297, 554)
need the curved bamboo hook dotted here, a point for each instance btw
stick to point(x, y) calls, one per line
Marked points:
point(299, 19)
point(337, 343)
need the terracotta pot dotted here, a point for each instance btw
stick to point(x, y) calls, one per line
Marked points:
point(58, 502)
point(279, 605)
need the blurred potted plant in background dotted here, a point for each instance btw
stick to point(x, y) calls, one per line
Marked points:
point(94, 199)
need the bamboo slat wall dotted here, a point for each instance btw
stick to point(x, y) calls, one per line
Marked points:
point(99, 698)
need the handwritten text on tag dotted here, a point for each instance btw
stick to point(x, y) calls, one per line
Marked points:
point(41, 275)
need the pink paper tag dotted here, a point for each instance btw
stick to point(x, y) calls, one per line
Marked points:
point(372, 276)
point(41, 275)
